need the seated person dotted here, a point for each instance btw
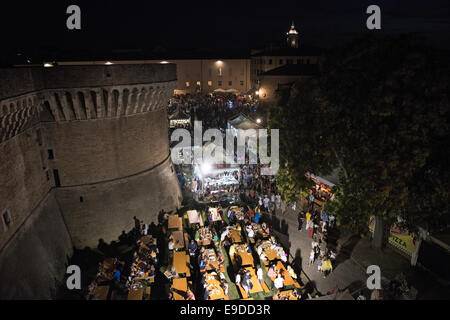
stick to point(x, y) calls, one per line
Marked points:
point(279, 282)
point(291, 272)
point(190, 295)
point(171, 244)
point(192, 248)
point(202, 265)
point(250, 232)
point(272, 271)
point(174, 272)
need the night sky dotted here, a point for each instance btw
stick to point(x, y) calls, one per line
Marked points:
point(41, 25)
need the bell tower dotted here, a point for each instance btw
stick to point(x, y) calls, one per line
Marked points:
point(292, 37)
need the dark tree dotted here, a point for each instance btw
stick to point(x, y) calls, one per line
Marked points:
point(379, 112)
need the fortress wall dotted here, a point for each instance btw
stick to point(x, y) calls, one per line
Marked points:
point(108, 208)
point(23, 182)
point(106, 149)
point(107, 128)
point(32, 264)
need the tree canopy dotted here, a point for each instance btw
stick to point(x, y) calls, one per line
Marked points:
point(379, 112)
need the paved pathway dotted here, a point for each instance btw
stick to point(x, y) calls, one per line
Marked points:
point(346, 273)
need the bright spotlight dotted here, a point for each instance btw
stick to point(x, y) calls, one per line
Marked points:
point(206, 168)
point(108, 63)
point(258, 121)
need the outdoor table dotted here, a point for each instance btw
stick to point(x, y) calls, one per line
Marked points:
point(180, 262)
point(175, 222)
point(247, 258)
point(288, 280)
point(256, 285)
point(195, 217)
point(212, 262)
point(100, 293)
point(205, 236)
point(214, 288)
point(136, 294)
point(286, 294)
point(270, 252)
point(235, 236)
point(215, 216)
point(179, 284)
point(178, 238)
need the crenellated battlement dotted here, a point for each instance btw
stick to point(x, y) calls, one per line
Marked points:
point(109, 98)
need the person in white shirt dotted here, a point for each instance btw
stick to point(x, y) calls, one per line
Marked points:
point(145, 229)
point(224, 235)
point(260, 275)
point(238, 279)
point(250, 232)
point(279, 282)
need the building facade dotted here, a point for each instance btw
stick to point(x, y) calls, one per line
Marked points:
point(272, 58)
point(199, 75)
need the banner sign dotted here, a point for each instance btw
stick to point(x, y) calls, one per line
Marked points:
point(398, 237)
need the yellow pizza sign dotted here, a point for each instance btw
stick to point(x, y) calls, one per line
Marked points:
point(398, 237)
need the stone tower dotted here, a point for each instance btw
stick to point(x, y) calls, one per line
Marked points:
point(292, 37)
point(83, 149)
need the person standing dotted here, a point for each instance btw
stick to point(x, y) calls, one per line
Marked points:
point(260, 275)
point(308, 220)
point(277, 201)
point(283, 206)
point(311, 257)
point(300, 220)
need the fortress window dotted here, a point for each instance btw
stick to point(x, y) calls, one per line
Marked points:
point(242, 83)
point(6, 219)
point(47, 175)
point(39, 136)
point(50, 154)
point(230, 83)
point(81, 199)
point(210, 83)
point(56, 176)
point(187, 84)
point(219, 83)
point(270, 61)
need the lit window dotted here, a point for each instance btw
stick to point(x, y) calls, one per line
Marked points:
point(210, 83)
point(198, 83)
point(187, 84)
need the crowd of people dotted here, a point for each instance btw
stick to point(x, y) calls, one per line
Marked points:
point(241, 230)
